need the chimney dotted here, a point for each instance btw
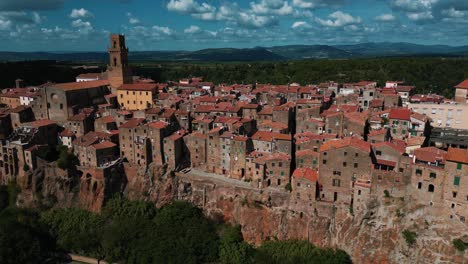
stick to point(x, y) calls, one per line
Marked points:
point(19, 83)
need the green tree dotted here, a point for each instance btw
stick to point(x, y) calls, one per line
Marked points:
point(184, 235)
point(233, 249)
point(294, 251)
point(76, 230)
point(22, 238)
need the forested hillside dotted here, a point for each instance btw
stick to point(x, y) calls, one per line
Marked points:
point(437, 75)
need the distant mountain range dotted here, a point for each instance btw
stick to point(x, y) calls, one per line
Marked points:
point(277, 53)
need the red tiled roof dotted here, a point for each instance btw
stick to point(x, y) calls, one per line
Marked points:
point(457, 155)
point(158, 124)
point(138, 87)
point(346, 142)
point(66, 133)
point(377, 132)
point(398, 147)
point(41, 123)
point(307, 152)
point(80, 85)
point(430, 154)
point(78, 117)
point(400, 114)
point(104, 144)
point(386, 162)
point(306, 173)
point(270, 136)
point(89, 75)
point(132, 123)
point(106, 119)
point(462, 85)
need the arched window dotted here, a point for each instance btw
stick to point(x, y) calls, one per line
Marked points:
point(115, 61)
point(430, 188)
point(115, 44)
point(419, 185)
point(94, 187)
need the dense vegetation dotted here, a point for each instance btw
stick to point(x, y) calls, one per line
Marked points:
point(437, 75)
point(137, 232)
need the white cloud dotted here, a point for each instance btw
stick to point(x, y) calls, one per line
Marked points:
point(427, 15)
point(312, 4)
point(132, 19)
point(82, 25)
point(277, 7)
point(188, 6)
point(250, 20)
point(192, 29)
point(5, 24)
point(452, 12)
point(80, 13)
point(339, 19)
point(385, 18)
point(163, 30)
point(299, 24)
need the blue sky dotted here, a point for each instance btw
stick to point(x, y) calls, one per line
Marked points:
point(84, 25)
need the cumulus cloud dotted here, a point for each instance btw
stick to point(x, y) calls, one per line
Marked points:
point(82, 25)
point(312, 4)
point(192, 29)
point(132, 19)
point(299, 24)
point(80, 13)
point(339, 19)
point(188, 7)
point(421, 16)
point(5, 24)
point(385, 18)
point(277, 7)
point(453, 13)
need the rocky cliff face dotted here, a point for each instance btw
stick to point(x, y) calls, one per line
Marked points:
point(372, 235)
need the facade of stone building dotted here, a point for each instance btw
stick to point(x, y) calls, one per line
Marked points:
point(64, 100)
point(196, 145)
point(174, 149)
point(137, 96)
point(80, 124)
point(213, 151)
point(240, 147)
point(264, 141)
point(277, 170)
point(400, 122)
point(118, 70)
point(456, 183)
point(307, 158)
point(304, 188)
point(341, 163)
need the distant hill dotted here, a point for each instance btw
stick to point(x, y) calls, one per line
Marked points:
point(276, 53)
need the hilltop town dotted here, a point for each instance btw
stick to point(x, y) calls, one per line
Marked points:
point(327, 162)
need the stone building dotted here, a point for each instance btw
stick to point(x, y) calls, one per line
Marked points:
point(66, 99)
point(428, 175)
point(277, 170)
point(400, 122)
point(134, 144)
point(174, 150)
point(118, 69)
point(80, 124)
point(307, 158)
point(95, 149)
point(137, 96)
point(341, 163)
point(456, 183)
point(304, 188)
point(271, 142)
point(196, 145)
point(461, 92)
point(240, 147)
point(21, 114)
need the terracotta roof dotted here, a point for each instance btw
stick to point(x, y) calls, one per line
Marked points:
point(346, 142)
point(89, 75)
point(104, 144)
point(106, 119)
point(20, 108)
point(386, 162)
point(457, 155)
point(306, 173)
point(430, 154)
point(377, 132)
point(138, 87)
point(66, 133)
point(462, 85)
point(132, 123)
point(158, 124)
point(400, 114)
point(307, 152)
point(415, 141)
point(398, 147)
point(270, 136)
point(272, 124)
point(80, 85)
point(41, 123)
point(78, 117)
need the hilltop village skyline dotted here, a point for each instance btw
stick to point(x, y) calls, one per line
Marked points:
point(316, 160)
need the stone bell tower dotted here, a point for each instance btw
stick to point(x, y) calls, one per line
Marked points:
point(118, 71)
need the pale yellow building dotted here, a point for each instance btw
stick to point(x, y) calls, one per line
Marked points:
point(137, 96)
point(444, 115)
